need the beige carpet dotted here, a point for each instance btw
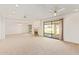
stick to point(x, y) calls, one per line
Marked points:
point(27, 44)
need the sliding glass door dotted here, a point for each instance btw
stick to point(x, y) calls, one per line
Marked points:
point(47, 29)
point(53, 29)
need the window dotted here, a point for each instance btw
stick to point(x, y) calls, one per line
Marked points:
point(53, 29)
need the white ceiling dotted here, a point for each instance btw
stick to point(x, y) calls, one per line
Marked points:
point(34, 11)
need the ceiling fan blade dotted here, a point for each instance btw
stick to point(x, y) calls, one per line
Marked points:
point(60, 9)
point(51, 11)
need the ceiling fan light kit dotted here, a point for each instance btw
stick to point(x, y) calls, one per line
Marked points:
point(55, 13)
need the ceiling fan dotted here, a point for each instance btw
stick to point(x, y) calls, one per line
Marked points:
point(56, 11)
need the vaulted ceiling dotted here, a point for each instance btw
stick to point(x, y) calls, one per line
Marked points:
point(35, 11)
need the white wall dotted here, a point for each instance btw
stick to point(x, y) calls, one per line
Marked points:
point(13, 27)
point(24, 28)
point(2, 28)
point(71, 28)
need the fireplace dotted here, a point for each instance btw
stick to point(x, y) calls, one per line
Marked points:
point(36, 33)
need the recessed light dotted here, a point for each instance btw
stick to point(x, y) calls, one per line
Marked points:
point(55, 13)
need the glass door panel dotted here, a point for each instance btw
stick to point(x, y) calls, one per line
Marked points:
point(47, 29)
point(57, 29)
point(53, 27)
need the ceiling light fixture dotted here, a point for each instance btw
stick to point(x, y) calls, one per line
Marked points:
point(61, 9)
point(55, 13)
